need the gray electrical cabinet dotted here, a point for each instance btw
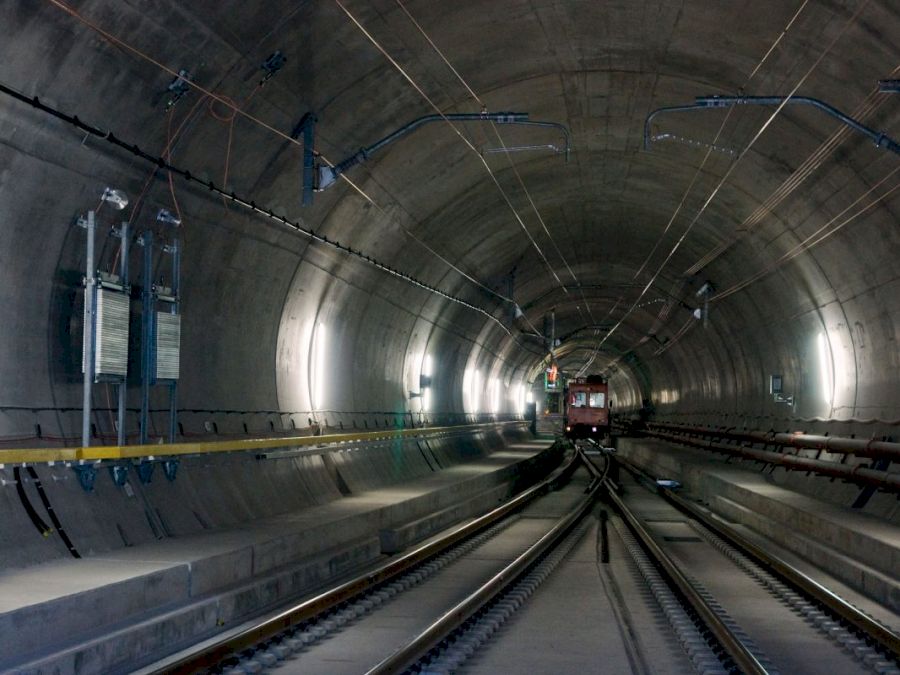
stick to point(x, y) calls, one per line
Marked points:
point(168, 346)
point(111, 335)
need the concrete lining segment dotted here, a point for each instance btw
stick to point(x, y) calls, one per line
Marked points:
point(118, 649)
point(202, 567)
point(857, 548)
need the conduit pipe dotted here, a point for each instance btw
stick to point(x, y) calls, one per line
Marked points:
point(854, 473)
point(879, 138)
point(860, 447)
point(328, 175)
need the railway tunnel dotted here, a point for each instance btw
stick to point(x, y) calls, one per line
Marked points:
point(283, 282)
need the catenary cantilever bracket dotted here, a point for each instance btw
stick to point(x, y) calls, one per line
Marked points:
point(326, 176)
point(881, 139)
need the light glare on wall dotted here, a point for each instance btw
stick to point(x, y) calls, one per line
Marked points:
point(495, 396)
point(826, 373)
point(425, 382)
point(472, 390)
point(476, 391)
point(318, 367)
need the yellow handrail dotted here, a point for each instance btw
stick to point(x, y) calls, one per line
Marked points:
point(100, 452)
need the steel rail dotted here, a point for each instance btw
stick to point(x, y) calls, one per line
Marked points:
point(880, 633)
point(406, 656)
point(213, 655)
point(743, 658)
point(26, 456)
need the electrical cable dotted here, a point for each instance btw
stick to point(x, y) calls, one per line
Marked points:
point(50, 512)
point(33, 516)
point(244, 202)
point(137, 52)
point(709, 151)
point(867, 107)
point(710, 147)
point(778, 40)
point(737, 161)
point(168, 156)
point(238, 111)
point(481, 103)
point(459, 133)
point(170, 143)
point(814, 238)
point(810, 241)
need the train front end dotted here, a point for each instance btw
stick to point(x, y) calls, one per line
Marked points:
point(587, 409)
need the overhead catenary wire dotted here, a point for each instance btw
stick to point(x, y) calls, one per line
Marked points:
point(227, 102)
point(826, 50)
point(503, 146)
point(244, 202)
point(818, 236)
point(813, 239)
point(709, 151)
point(710, 148)
point(457, 131)
point(869, 105)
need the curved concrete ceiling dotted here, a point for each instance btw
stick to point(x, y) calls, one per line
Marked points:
point(790, 216)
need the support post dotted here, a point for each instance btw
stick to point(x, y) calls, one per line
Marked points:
point(308, 126)
point(89, 348)
point(147, 317)
point(125, 234)
point(175, 308)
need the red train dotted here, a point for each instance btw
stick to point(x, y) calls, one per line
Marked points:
point(587, 408)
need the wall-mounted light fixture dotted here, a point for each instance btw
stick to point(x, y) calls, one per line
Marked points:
point(116, 198)
point(167, 217)
point(703, 294)
point(424, 392)
point(776, 389)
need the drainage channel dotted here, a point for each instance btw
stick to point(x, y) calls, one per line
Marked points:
point(733, 606)
point(306, 632)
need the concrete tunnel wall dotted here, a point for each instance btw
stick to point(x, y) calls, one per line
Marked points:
point(252, 291)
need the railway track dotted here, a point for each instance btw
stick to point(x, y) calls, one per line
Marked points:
point(512, 544)
point(728, 606)
point(734, 606)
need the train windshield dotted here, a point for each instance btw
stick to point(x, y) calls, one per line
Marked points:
point(598, 399)
point(579, 399)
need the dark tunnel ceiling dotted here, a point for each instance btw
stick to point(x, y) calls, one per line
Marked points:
point(629, 227)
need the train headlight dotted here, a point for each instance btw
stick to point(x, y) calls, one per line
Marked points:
point(568, 428)
point(594, 429)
